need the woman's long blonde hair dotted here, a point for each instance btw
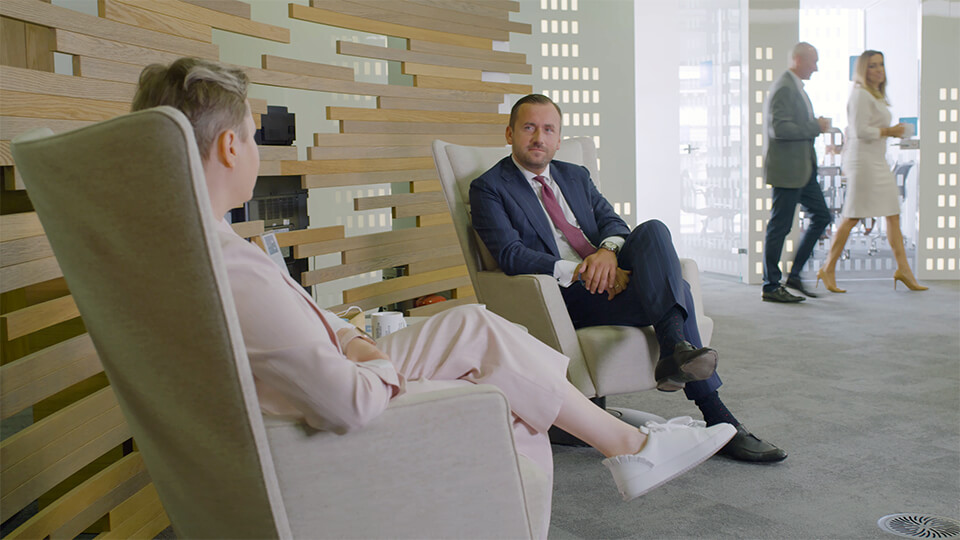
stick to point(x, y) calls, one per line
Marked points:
point(860, 76)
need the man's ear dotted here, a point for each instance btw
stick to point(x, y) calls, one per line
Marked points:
point(226, 148)
point(509, 135)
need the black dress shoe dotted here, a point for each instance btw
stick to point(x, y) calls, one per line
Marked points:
point(745, 446)
point(797, 285)
point(781, 295)
point(686, 364)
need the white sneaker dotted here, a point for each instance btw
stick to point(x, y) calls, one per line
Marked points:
point(672, 449)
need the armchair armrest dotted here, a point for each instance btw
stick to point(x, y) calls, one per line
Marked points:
point(437, 464)
point(534, 301)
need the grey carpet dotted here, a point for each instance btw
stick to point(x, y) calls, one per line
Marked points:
point(863, 391)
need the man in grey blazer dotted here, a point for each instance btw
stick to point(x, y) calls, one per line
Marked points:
point(790, 166)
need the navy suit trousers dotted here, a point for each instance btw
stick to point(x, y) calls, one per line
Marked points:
point(785, 201)
point(656, 285)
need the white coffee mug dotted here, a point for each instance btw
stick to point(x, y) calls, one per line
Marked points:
point(384, 323)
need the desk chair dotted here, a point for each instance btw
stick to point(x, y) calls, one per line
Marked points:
point(125, 207)
point(604, 360)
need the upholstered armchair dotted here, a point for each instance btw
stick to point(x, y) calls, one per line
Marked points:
point(125, 207)
point(604, 360)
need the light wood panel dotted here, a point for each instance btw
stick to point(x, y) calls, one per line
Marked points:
point(358, 254)
point(230, 7)
point(364, 152)
point(400, 55)
point(425, 81)
point(34, 105)
point(310, 236)
point(428, 220)
point(13, 50)
point(24, 250)
point(403, 199)
point(405, 294)
point(330, 166)
point(433, 309)
point(323, 275)
point(432, 105)
point(391, 139)
point(216, 19)
point(439, 260)
point(140, 516)
point(76, 43)
point(310, 181)
point(6, 156)
point(440, 13)
point(400, 115)
point(39, 82)
point(97, 494)
point(39, 316)
point(437, 130)
point(277, 153)
point(109, 70)
point(301, 67)
point(384, 12)
point(20, 275)
point(473, 53)
point(422, 186)
point(393, 285)
point(424, 210)
point(352, 22)
point(41, 374)
point(11, 126)
point(125, 13)
point(17, 226)
point(374, 241)
point(48, 15)
point(410, 68)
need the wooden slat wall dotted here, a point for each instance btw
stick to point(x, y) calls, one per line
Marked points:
point(76, 457)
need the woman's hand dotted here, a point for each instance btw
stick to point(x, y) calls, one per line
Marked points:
point(894, 131)
point(359, 349)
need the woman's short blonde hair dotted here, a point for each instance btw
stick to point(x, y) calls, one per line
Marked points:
point(860, 75)
point(211, 95)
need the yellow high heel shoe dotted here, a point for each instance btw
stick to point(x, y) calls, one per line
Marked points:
point(914, 286)
point(828, 281)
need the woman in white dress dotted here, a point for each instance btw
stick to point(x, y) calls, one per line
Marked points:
point(871, 186)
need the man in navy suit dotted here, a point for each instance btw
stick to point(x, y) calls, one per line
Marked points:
point(539, 216)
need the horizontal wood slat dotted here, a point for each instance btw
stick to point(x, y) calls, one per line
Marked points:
point(62, 18)
point(58, 107)
point(6, 156)
point(230, 7)
point(41, 456)
point(439, 131)
point(310, 236)
point(367, 152)
point(141, 516)
point(411, 68)
point(422, 209)
point(436, 262)
point(445, 17)
point(465, 52)
point(352, 255)
point(433, 105)
point(385, 11)
point(401, 199)
point(216, 19)
point(311, 181)
point(96, 495)
point(426, 81)
point(493, 8)
point(108, 70)
point(301, 67)
point(24, 250)
point(432, 309)
point(41, 374)
point(38, 316)
point(405, 294)
point(352, 22)
point(400, 115)
point(330, 166)
point(22, 225)
point(422, 186)
point(11, 126)
point(132, 15)
point(400, 55)
point(382, 288)
point(29, 273)
point(320, 84)
point(390, 139)
point(277, 153)
point(76, 43)
point(323, 275)
point(374, 241)
point(440, 218)
point(29, 80)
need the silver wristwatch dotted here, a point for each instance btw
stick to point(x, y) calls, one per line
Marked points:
point(612, 246)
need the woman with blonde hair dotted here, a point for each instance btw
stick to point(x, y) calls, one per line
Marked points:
point(871, 186)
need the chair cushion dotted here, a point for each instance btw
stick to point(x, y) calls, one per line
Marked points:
point(620, 359)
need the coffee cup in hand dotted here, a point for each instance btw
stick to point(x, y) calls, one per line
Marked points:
point(385, 323)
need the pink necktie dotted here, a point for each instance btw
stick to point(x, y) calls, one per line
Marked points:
point(574, 235)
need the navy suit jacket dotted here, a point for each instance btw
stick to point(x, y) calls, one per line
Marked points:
point(507, 215)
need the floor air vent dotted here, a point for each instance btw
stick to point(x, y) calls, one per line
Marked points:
point(920, 526)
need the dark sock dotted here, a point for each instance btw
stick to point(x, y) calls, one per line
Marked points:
point(714, 411)
point(669, 331)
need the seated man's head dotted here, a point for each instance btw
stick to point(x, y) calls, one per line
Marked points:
point(214, 98)
point(534, 132)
